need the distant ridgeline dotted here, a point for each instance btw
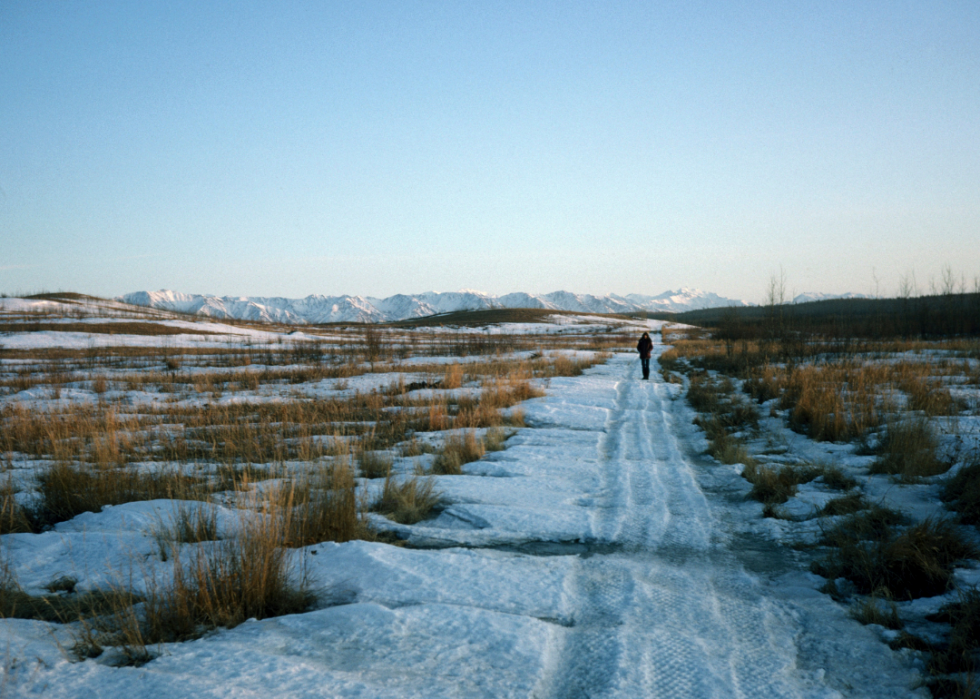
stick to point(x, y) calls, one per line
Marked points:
point(946, 315)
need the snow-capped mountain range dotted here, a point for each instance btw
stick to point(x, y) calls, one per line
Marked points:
point(334, 309)
point(809, 296)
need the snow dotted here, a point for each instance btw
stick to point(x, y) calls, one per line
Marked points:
point(662, 608)
point(331, 309)
point(600, 554)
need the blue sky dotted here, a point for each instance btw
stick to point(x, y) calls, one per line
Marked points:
point(377, 148)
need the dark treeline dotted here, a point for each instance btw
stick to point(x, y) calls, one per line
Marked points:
point(944, 315)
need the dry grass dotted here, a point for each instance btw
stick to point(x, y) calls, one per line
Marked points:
point(13, 517)
point(960, 654)
point(495, 438)
point(227, 582)
point(408, 500)
point(67, 490)
point(456, 451)
point(372, 464)
point(845, 505)
point(321, 506)
point(774, 487)
point(909, 450)
point(962, 492)
point(834, 477)
point(915, 562)
point(188, 524)
point(563, 365)
point(453, 376)
point(871, 611)
point(833, 403)
point(108, 454)
point(841, 400)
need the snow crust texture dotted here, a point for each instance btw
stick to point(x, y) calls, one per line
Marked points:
point(586, 560)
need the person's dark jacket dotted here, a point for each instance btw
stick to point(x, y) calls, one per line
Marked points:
point(645, 347)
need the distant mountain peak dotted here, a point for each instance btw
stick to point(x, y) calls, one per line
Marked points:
point(317, 308)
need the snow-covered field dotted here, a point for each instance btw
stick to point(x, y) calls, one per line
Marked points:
point(600, 554)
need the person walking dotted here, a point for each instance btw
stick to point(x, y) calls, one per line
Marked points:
point(645, 347)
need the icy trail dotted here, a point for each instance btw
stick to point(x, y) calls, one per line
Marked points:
point(586, 560)
point(669, 615)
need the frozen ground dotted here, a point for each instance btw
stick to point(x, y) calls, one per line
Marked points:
point(597, 556)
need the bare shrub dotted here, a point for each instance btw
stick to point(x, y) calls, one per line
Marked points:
point(407, 501)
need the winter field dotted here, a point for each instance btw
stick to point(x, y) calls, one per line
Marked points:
point(197, 508)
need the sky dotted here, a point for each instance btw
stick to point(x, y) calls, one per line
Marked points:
point(375, 148)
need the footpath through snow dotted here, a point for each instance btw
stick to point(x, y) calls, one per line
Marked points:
point(598, 556)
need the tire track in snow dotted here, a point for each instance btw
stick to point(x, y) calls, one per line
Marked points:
point(670, 614)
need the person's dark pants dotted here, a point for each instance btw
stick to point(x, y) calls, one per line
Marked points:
point(645, 363)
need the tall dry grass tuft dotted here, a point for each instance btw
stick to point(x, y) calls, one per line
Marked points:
point(844, 505)
point(67, 490)
point(928, 396)
point(456, 451)
point(453, 376)
point(563, 365)
point(188, 524)
point(962, 492)
point(915, 562)
point(833, 403)
point(909, 450)
point(774, 487)
point(960, 654)
point(372, 464)
point(13, 517)
point(407, 501)
point(224, 583)
point(322, 506)
point(870, 611)
point(496, 437)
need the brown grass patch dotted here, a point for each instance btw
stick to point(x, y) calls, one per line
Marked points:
point(408, 500)
point(909, 450)
point(456, 451)
point(774, 487)
point(915, 562)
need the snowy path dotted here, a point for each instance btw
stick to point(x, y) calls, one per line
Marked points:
point(668, 615)
point(633, 586)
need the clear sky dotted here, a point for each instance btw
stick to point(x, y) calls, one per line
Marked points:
point(374, 148)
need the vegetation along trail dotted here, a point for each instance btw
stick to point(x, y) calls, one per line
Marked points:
point(664, 608)
point(600, 554)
